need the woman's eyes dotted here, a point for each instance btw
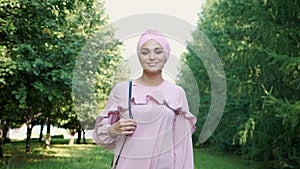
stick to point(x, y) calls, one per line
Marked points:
point(147, 52)
point(158, 52)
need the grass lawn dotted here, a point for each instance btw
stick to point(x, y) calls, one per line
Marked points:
point(90, 156)
point(205, 159)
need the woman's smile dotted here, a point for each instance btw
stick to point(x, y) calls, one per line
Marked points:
point(152, 64)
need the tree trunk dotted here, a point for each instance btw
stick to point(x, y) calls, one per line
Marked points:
point(1, 141)
point(5, 132)
point(48, 136)
point(1, 144)
point(41, 131)
point(73, 132)
point(79, 134)
point(29, 129)
point(84, 141)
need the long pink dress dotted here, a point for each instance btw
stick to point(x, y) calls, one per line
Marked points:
point(163, 137)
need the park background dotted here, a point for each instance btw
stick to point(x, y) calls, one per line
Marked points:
point(257, 42)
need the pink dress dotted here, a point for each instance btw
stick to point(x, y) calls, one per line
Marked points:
point(163, 137)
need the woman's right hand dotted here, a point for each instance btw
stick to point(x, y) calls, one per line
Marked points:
point(122, 127)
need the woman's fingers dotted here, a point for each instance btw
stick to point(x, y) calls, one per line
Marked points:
point(126, 123)
point(123, 127)
point(127, 126)
point(127, 130)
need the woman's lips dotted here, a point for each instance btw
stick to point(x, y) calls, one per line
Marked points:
point(152, 64)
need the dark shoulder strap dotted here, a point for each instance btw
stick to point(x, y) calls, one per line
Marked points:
point(129, 99)
point(130, 116)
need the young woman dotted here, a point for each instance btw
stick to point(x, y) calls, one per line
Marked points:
point(159, 136)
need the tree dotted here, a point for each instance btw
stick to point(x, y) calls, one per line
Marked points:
point(41, 41)
point(258, 43)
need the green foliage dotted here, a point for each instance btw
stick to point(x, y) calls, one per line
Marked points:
point(40, 43)
point(258, 43)
point(93, 75)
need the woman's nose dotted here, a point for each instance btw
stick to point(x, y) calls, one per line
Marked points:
point(152, 56)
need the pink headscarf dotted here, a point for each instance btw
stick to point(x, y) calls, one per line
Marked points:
point(157, 36)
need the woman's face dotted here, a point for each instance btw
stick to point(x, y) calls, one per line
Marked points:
point(152, 56)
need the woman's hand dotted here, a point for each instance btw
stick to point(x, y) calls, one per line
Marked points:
point(122, 127)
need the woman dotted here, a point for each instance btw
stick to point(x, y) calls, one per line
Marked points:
point(159, 135)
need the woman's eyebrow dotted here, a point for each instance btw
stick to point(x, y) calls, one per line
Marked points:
point(153, 49)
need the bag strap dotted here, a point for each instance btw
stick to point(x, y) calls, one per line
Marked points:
point(130, 116)
point(129, 99)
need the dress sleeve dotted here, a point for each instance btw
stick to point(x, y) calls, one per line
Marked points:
point(106, 118)
point(184, 126)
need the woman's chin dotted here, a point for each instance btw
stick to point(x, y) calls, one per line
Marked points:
point(153, 70)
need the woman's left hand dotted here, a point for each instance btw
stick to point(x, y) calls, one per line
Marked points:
point(122, 127)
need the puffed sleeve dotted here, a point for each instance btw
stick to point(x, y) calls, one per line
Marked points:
point(184, 126)
point(106, 118)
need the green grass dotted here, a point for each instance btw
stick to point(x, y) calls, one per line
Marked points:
point(90, 156)
point(205, 159)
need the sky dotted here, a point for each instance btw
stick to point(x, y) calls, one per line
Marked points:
point(184, 9)
point(176, 19)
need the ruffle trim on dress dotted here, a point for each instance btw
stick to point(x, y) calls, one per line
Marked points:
point(110, 111)
point(177, 108)
point(173, 105)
